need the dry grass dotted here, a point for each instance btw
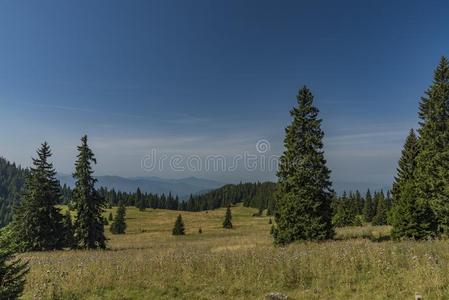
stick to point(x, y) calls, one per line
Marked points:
point(149, 263)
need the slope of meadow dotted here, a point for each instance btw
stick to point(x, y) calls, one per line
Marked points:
point(149, 263)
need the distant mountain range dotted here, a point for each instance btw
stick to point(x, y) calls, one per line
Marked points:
point(181, 187)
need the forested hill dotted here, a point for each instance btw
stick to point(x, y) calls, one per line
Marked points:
point(258, 195)
point(11, 181)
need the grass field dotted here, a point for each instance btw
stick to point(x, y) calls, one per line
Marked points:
point(242, 263)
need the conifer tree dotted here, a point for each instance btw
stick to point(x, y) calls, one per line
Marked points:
point(345, 212)
point(381, 209)
point(409, 217)
point(118, 226)
point(432, 161)
point(178, 229)
point(406, 165)
point(37, 225)
point(140, 201)
point(227, 223)
point(12, 275)
point(368, 210)
point(359, 202)
point(88, 226)
point(304, 190)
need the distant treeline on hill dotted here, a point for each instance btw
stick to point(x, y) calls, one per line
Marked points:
point(257, 195)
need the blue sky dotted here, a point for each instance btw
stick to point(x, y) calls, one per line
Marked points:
point(214, 77)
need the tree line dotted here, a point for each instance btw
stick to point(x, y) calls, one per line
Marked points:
point(257, 195)
point(353, 209)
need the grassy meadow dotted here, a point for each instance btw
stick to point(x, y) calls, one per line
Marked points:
point(242, 263)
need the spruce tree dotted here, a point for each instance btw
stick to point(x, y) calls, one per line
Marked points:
point(140, 201)
point(406, 165)
point(178, 229)
point(304, 190)
point(409, 217)
point(381, 209)
point(227, 223)
point(345, 213)
point(118, 226)
point(37, 225)
point(89, 227)
point(12, 275)
point(368, 207)
point(432, 161)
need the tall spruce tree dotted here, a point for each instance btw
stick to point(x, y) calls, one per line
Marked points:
point(179, 228)
point(410, 218)
point(37, 225)
point(304, 190)
point(118, 226)
point(89, 226)
point(227, 223)
point(12, 275)
point(432, 161)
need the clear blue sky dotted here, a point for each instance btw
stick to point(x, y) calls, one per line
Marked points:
point(214, 77)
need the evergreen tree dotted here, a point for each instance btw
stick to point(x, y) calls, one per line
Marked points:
point(406, 165)
point(12, 275)
point(359, 202)
point(409, 217)
point(381, 209)
point(89, 227)
point(38, 224)
point(432, 161)
point(118, 226)
point(368, 207)
point(227, 223)
point(345, 212)
point(140, 201)
point(304, 187)
point(179, 226)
